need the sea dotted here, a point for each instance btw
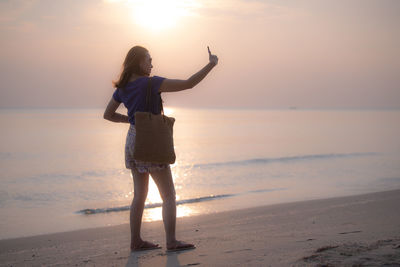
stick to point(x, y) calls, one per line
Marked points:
point(63, 169)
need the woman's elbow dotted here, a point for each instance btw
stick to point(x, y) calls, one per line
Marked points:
point(190, 84)
point(107, 116)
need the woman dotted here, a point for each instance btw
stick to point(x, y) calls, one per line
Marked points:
point(131, 90)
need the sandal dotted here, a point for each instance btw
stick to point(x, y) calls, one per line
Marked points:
point(146, 246)
point(181, 246)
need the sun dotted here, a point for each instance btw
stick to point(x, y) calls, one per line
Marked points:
point(160, 14)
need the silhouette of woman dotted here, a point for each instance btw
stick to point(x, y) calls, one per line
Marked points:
point(131, 91)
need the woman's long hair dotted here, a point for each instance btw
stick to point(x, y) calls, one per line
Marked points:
point(131, 65)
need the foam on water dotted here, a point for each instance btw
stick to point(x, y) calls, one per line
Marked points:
point(179, 202)
point(152, 205)
point(280, 159)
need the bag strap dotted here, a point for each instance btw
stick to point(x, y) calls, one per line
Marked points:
point(148, 98)
point(148, 95)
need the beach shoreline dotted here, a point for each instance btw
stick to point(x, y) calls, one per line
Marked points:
point(351, 230)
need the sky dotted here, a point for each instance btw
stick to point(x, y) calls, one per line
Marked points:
point(272, 53)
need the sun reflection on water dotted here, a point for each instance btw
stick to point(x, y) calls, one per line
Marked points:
point(153, 196)
point(155, 214)
point(168, 111)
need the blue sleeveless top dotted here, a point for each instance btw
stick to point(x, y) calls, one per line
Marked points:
point(134, 96)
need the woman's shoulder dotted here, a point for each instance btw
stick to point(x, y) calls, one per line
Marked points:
point(142, 82)
point(137, 79)
point(158, 77)
point(145, 78)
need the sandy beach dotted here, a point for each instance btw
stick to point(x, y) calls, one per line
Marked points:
point(285, 140)
point(361, 230)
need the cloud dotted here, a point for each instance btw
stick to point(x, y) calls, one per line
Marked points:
point(44, 15)
point(245, 9)
point(221, 9)
point(12, 13)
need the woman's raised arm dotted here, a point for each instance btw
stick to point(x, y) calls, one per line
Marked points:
point(174, 85)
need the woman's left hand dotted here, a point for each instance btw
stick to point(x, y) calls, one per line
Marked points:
point(213, 58)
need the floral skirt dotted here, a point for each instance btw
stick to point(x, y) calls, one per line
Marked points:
point(140, 166)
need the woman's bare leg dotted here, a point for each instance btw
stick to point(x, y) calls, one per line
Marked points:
point(165, 184)
point(140, 184)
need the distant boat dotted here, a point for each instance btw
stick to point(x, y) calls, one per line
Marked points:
point(292, 107)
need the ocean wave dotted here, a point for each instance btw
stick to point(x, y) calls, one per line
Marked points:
point(179, 202)
point(105, 174)
point(67, 177)
point(5, 155)
point(155, 205)
point(259, 161)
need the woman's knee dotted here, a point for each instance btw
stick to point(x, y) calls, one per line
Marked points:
point(165, 185)
point(140, 187)
point(170, 197)
point(139, 198)
point(140, 194)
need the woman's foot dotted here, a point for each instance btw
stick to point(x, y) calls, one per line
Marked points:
point(144, 245)
point(179, 245)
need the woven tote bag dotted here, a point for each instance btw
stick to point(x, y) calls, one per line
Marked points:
point(154, 134)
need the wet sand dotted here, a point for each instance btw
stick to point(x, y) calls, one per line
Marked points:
point(356, 230)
